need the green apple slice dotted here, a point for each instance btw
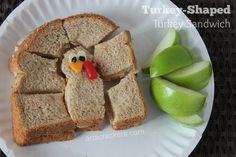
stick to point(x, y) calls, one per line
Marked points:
point(176, 100)
point(193, 120)
point(169, 60)
point(195, 76)
point(171, 38)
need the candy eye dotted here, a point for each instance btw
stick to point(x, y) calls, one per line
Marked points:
point(73, 58)
point(82, 58)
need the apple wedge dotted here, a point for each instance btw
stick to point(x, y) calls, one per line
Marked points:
point(190, 120)
point(195, 76)
point(171, 38)
point(169, 60)
point(176, 100)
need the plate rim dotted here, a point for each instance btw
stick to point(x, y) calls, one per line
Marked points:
point(197, 137)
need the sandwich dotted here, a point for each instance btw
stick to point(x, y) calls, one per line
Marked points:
point(58, 84)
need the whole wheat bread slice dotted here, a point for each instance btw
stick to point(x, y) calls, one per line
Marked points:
point(37, 115)
point(88, 29)
point(84, 97)
point(40, 82)
point(35, 74)
point(26, 62)
point(48, 40)
point(115, 57)
point(126, 107)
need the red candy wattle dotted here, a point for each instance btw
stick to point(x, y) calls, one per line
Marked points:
point(90, 70)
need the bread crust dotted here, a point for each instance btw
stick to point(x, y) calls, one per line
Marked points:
point(63, 136)
point(126, 123)
point(13, 63)
point(93, 124)
point(21, 133)
point(95, 127)
point(105, 20)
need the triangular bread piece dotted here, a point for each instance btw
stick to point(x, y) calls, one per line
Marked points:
point(115, 57)
point(88, 29)
point(48, 40)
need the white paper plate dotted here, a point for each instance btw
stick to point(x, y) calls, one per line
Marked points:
point(159, 136)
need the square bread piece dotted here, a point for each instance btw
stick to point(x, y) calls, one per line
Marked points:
point(126, 107)
point(35, 74)
point(88, 29)
point(49, 40)
point(115, 57)
point(84, 97)
point(37, 115)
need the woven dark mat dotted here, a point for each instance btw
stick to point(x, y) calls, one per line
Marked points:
point(219, 139)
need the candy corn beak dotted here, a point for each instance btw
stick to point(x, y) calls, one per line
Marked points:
point(76, 66)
